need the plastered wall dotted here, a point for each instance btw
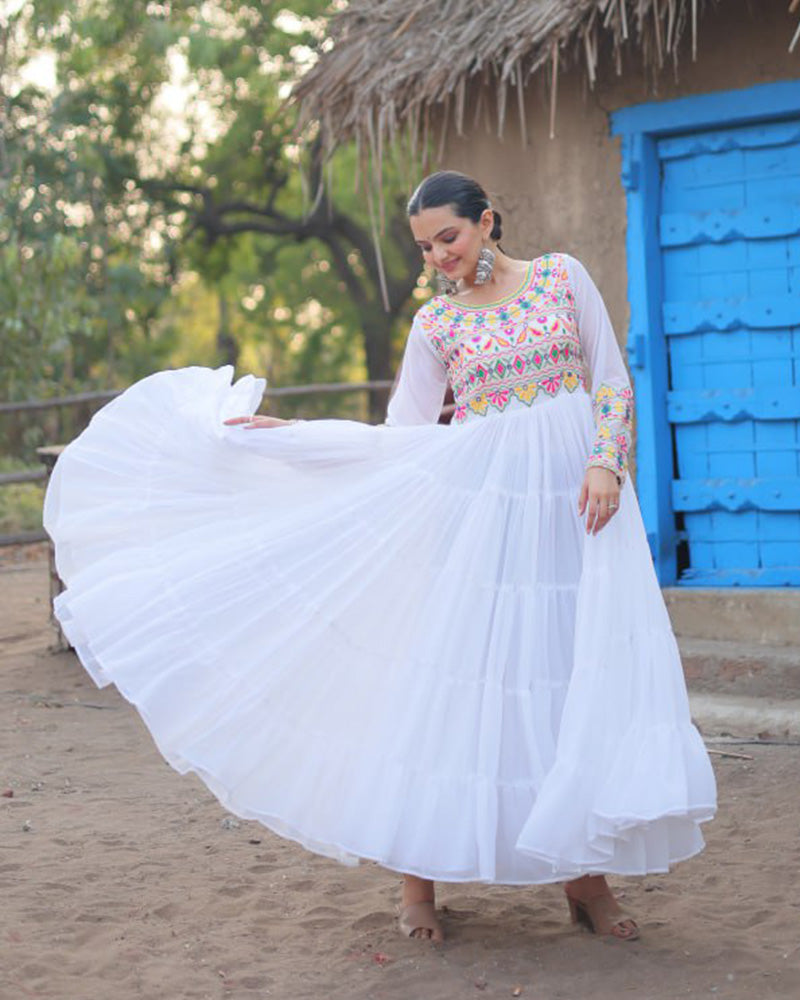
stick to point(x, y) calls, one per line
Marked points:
point(565, 193)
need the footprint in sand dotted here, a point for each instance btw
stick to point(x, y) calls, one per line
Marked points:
point(234, 891)
point(376, 920)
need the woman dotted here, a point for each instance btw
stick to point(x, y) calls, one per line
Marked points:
point(442, 648)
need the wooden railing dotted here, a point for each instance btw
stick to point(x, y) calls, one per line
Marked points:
point(49, 454)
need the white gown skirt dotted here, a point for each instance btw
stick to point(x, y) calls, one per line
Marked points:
point(392, 643)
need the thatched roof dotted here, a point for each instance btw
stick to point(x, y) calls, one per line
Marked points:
point(387, 63)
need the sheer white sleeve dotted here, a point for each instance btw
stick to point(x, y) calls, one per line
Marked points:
point(612, 396)
point(420, 389)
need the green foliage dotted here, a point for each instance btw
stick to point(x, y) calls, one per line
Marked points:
point(42, 305)
point(77, 286)
point(154, 205)
point(20, 503)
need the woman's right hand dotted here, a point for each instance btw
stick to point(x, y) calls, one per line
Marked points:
point(256, 421)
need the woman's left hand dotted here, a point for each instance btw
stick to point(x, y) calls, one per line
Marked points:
point(599, 498)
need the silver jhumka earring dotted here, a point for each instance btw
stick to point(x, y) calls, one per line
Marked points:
point(485, 266)
point(446, 285)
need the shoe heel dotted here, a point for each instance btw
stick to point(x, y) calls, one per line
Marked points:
point(579, 913)
point(573, 910)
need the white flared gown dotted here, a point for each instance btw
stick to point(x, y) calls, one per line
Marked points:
point(391, 642)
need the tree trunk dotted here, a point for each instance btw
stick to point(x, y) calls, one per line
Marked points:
point(378, 353)
point(227, 348)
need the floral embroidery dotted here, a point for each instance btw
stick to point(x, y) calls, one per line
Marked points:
point(478, 404)
point(613, 414)
point(551, 384)
point(499, 398)
point(514, 350)
point(526, 349)
point(526, 393)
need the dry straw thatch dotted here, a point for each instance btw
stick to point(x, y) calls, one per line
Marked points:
point(397, 73)
point(388, 63)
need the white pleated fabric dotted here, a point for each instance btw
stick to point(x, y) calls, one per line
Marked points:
point(392, 642)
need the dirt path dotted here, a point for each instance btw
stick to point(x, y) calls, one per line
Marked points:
point(121, 879)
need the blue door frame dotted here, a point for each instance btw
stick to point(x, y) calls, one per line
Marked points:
point(640, 127)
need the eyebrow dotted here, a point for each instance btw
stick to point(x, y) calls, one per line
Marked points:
point(436, 237)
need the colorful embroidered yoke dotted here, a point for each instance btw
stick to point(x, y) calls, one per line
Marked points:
point(552, 335)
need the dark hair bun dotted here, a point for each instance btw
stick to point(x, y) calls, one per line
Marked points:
point(464, 194)
point(497, 228)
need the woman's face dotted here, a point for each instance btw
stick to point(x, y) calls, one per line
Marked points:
point(449, 242)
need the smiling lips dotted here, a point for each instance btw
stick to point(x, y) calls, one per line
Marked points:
point(449, 265)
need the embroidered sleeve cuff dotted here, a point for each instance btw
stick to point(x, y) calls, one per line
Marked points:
point(613, 415)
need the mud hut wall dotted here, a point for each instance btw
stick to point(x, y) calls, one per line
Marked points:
point(566, 193)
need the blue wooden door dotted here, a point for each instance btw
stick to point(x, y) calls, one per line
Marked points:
point(729, 231)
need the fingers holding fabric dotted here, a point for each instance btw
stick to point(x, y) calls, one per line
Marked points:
point(258, 421)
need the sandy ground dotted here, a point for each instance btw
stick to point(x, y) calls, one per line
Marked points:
point(122, 879)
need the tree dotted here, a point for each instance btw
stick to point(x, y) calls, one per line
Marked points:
point(74, 262)
point(221, 187)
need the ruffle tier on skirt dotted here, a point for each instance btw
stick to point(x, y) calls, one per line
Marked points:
point(394, 643)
